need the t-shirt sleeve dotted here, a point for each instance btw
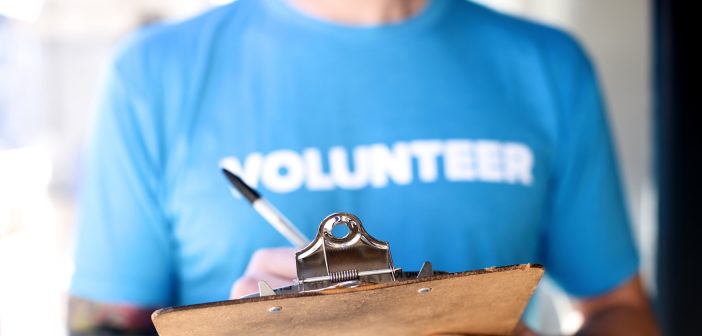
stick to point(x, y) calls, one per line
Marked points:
point(588, 244)
point(123, 249)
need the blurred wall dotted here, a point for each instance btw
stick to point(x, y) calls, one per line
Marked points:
point(50, 77)
point(77, 39)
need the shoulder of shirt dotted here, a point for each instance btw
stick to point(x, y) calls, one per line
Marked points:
point(519, 31)
point(156, 43)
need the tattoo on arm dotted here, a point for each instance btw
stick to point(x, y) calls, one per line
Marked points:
point(89, 318)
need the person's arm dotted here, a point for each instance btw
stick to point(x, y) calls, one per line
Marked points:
point(87, 318)
point(124, 255)
point(588, 248)
point(623, 311)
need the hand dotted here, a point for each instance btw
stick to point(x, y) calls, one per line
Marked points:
point(87, 317)
point(523, 330)
point(276, 266)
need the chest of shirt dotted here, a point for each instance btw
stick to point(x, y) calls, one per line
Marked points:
point(405, 143)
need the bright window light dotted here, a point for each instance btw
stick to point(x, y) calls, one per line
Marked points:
point(220, 2)
point(26, 10)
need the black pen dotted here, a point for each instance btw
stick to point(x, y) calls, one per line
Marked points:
point(264, 208)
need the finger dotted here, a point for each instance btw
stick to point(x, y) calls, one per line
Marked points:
point(279, 262)
point(243, 286)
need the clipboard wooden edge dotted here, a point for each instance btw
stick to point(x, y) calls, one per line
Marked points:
point(165, 316)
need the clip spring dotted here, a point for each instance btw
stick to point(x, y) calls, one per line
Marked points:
point(342, 276)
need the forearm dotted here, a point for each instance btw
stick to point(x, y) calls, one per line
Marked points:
point(88, 318)
point(620, 321)
point(624, 311)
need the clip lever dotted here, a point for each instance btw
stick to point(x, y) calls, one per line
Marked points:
point(329, 259)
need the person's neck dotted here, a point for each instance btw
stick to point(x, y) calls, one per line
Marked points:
point(360, 12)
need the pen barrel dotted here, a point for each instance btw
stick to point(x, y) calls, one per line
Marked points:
point(280, 223)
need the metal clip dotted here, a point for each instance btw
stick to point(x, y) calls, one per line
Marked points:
point(330, 262)
point(356, 256)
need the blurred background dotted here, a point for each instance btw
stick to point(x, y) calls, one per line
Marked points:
point(52, 57)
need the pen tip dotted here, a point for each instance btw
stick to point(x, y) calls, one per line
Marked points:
point(228, 169)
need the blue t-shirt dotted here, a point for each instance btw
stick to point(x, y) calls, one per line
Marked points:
point(462, 136)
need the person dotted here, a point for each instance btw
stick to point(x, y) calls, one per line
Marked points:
point(461, 135)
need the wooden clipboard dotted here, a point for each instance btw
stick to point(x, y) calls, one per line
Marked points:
point(349, 286)
point(484, 302)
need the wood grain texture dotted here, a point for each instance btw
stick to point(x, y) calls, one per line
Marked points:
point(484, 302)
